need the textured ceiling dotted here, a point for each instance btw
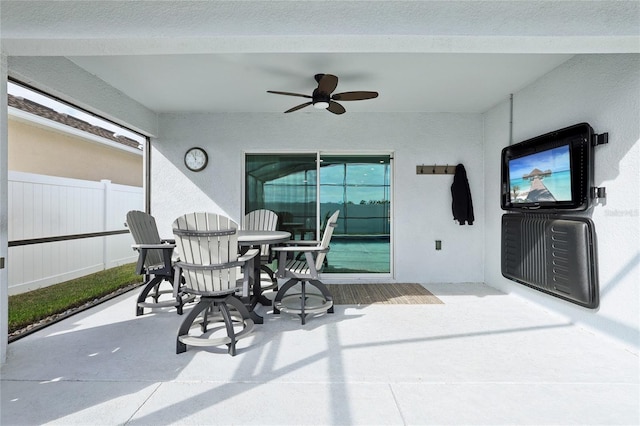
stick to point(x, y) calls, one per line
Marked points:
point(222, 56)
point(238, 82)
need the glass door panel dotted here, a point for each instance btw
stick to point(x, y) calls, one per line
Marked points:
point(286, 184)
point(360, 187)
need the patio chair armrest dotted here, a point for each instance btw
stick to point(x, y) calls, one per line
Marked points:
point(153, 246)
point(143, 250)
point(212, 267)
point(250, 254)
point(301, 248)
point(303, 242)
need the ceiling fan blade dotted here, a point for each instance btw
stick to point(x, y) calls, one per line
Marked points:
point(354, 96)
point(336, 108)
point(327, 83)
point(288, 94)
point(295, 108)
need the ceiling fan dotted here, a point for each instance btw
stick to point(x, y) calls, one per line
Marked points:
point(322, 97)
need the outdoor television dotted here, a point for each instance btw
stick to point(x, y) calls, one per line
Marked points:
point(552, 172)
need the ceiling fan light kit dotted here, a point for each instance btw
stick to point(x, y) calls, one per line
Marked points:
point(322, 98)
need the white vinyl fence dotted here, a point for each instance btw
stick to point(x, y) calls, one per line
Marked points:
point(47, 206)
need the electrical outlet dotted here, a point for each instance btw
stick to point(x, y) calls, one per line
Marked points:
point(438, 245)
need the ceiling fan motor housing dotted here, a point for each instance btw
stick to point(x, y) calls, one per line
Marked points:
point(320, 100)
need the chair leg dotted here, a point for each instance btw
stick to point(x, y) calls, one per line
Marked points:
point(281, 292)
point(205, 318)
point(145, 293)
point(156, 292)
point(303, 302)
point(228, 321)
point(180, 304)
point(240, 307)
point(308, 301)
point(182, 297)
point(272, 277)
point(325, 292)
point(202, 305)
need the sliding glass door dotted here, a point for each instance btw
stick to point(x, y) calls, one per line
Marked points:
point(286, 184)
point(360, 187)
point(305, 189)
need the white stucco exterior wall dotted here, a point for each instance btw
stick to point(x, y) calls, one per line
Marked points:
point(603, 90)
point(421, 203)
point(60, 77)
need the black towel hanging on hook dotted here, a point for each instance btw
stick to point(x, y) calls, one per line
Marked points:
point(461, 204)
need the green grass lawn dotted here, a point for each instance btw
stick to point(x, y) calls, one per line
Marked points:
point(28, 308)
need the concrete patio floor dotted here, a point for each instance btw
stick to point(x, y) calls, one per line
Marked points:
point(482, 357)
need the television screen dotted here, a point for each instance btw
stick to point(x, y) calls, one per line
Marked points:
point(551, 172)
point(543, 176)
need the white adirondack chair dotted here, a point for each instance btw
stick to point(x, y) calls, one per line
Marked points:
point(210, 264)
point(155, 264)
point(264, 220)
point(304, 271)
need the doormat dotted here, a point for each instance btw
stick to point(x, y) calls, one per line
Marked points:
point(390, 294)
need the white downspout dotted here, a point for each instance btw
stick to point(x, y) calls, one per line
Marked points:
point(511, 119)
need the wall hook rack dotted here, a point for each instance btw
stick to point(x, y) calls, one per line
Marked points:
point(434, 169)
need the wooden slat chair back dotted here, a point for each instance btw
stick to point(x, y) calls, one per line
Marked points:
point(210, 262)
point(261, 220)
point(303, 272)
point(326, 239)
point(155, 264)
point(207, 239)
point(144, 230)
point(264, 220)
point(314, 252)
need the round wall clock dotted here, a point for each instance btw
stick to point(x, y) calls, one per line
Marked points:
point(196, 159)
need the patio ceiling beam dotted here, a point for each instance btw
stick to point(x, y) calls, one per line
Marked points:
point(66, 28)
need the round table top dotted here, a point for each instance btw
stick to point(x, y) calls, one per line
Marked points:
point(249, 238)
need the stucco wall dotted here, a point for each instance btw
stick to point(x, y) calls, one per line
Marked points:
point(602, 90)
point(421, 203)
point(35, 149)
point(60, 77)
